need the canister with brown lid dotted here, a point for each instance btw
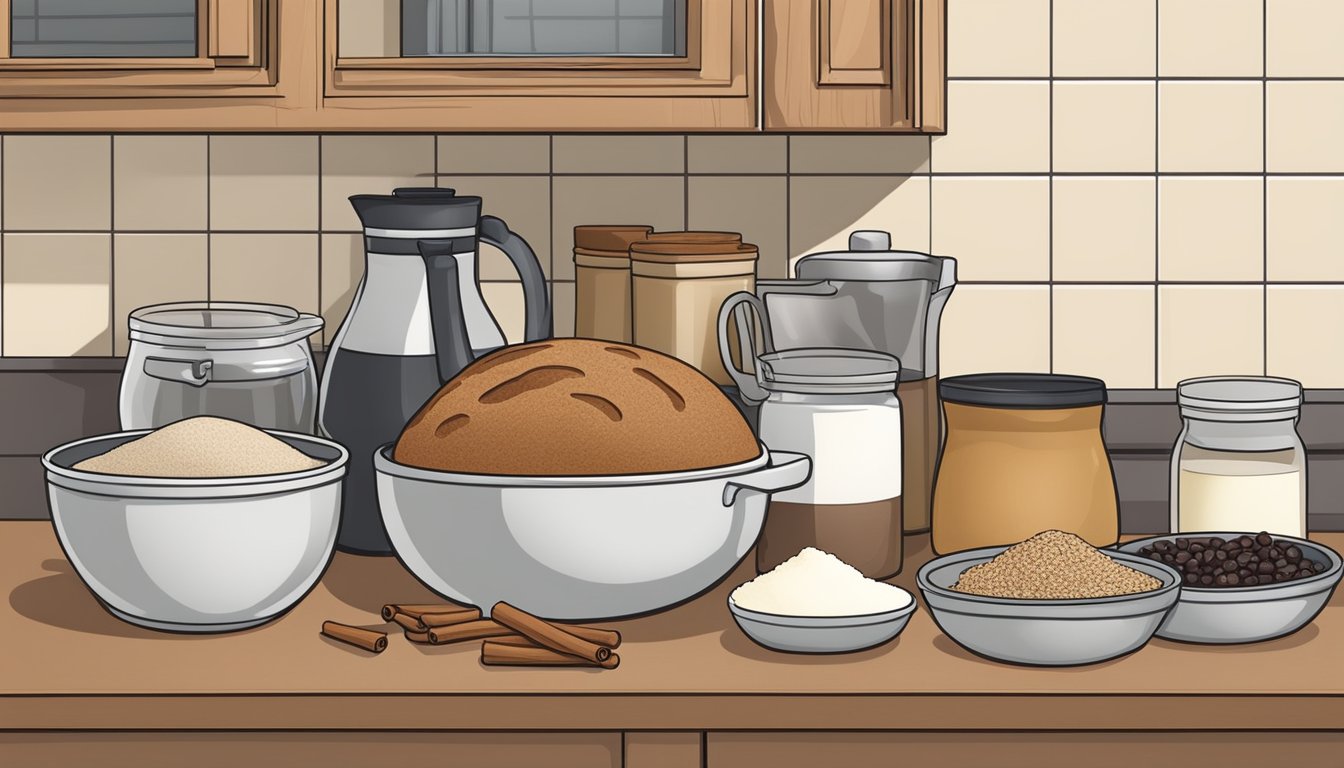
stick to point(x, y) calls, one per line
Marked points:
point(602, 280)
point(678, 282)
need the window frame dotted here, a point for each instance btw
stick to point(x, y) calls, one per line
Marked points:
point(714, 64)
point(235, 54)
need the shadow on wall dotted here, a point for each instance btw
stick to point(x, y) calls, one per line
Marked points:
point(825, 209)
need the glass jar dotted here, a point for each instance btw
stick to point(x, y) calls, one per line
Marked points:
point(1239, 465)
point(838, 406)
point(1023, 454)
point(240, 361)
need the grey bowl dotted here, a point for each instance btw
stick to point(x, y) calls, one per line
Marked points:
point(1248, 614)
point(1053, 633)
point(821, 634)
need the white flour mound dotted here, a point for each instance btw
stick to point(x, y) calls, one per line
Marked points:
point(816, 583)
point(201, 447)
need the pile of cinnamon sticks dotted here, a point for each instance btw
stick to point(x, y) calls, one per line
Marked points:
point(512, 637)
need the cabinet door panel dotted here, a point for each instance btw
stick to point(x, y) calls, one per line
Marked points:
point(854, 65)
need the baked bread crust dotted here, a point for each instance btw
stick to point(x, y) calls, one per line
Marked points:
point(576, 407)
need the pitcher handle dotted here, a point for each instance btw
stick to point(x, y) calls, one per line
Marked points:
point(536, 299)
point(747, 304)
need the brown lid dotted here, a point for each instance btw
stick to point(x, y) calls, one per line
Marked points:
point(609, 237)
point(694, 237)
point(677, 252)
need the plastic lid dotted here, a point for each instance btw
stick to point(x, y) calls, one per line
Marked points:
point(670, 251)
point(829, 370)
point(201, 320)
point(1023, 390)
point(691, 236)
point(1239, 395)
point(610, 237)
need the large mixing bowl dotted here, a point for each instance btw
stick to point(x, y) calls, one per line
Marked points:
point(578, 547)
point(196, 554)
point(1248, 614)
point(1045, 632)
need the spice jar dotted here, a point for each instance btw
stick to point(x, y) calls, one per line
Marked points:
point(1023, 454)
point(1239, 465)
point(678, 282)
point(602, 280)
point(838, 406)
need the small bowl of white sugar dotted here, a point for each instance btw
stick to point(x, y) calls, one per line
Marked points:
point(814, 602)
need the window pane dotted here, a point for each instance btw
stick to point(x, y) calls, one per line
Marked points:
point(103, 28)
point(543, 27)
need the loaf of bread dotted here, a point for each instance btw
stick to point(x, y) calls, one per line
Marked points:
point(576, 407)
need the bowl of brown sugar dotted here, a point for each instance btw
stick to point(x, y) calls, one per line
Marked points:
point(1051, 600)
point(203, 525)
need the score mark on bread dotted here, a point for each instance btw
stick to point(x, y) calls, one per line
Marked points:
point(576, 407)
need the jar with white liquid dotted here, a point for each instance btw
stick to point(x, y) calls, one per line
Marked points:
point(1239, 464)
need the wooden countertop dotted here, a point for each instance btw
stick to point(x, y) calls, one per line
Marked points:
point(67, 664)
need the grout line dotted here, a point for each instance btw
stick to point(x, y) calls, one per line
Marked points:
point(686, 183)
point(112, 243)
point(2, 245)
point(209, 220)
point(1157, 197)
point(550, 176)
point(788, 205)
point(321, 219)
point(1163, 78)
point(1050, 193)
point(1264, 182)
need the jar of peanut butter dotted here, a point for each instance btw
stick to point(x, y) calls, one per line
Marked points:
point(678, 282)
point(602, 280)
point(1023, 454)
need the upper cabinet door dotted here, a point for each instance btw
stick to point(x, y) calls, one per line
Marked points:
point(596, 65)
point(855, 65)
point(132, 48)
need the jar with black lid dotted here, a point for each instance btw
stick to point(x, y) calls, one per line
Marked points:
point(1023, 454)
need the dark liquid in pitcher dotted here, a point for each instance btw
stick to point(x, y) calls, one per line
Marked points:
point(359, 414)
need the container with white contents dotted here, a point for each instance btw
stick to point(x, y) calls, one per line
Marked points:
point(838, 406)
point(1239, 464)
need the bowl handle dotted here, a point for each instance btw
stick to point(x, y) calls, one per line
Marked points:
point(786, 470)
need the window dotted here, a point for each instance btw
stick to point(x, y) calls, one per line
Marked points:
point(545, 28)
point(103, 29)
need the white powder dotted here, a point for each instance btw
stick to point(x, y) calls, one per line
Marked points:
point(816, 583)
point(201, 447)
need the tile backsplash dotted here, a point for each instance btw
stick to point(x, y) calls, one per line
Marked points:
point(1141, 191)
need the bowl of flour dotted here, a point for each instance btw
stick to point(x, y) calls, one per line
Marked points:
point(814, 602)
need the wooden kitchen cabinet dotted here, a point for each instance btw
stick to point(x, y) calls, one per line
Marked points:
point(136, 65)
point(476, 65)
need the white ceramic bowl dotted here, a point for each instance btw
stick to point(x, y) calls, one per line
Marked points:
point(1051, 633)
point(1248, 614)
point(578, 548)
point(196, 554)
point(821, 634)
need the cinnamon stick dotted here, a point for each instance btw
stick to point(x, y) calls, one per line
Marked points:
point(408, 622)
point(470, 630)
point(417, 637)
point(549, 635)
point(448, 619)
point(375, 642)
point(414, 610)
point(497, 653)
point(608, 637)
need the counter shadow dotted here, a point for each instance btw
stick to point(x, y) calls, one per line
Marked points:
point(61, 600)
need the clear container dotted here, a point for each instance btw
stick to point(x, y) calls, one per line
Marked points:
point(1239, 464)
point(241, 361)
point(838, 406)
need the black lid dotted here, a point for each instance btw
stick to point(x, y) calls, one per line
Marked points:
point(1024, 390)
point(424, 192)
point(417, 212)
